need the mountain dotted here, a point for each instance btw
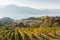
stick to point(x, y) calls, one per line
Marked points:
point(6, 20)
point(15, 12)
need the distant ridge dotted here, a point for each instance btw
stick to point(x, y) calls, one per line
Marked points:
point(23, 12)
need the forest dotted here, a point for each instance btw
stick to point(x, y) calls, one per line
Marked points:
point(44, 21)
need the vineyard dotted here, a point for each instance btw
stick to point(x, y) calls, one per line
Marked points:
point(42, 33)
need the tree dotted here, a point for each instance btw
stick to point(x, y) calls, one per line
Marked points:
point(51, 21)
point(46, 19)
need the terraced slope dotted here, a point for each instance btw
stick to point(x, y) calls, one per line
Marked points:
point(47, 33)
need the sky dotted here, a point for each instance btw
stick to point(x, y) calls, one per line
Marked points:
point(37, 4)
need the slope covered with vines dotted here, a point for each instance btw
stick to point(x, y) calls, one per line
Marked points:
point(42, 33)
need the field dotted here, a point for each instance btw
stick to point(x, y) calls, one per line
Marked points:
point(42, 33)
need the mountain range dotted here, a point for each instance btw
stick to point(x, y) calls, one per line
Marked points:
point(17, 12)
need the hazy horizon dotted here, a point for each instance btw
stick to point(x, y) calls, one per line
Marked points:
point(28, 8)
point(37, 4)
